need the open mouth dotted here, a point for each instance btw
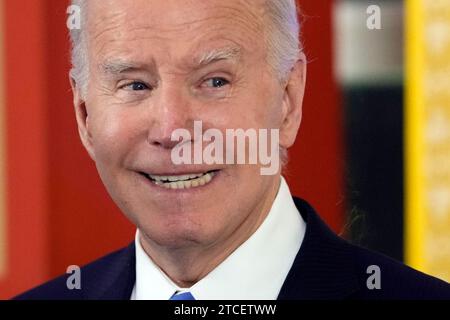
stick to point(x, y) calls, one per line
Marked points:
point(185, 181)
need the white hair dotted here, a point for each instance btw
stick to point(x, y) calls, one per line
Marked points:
point(79, 52)
point(282, 37)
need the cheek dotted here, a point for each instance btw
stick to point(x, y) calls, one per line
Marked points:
point(112, 134)
point(264, 108)
point(252, 112)
point(273, 103)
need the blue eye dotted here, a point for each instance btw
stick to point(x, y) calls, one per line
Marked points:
point(136, 86)
point(217, 82)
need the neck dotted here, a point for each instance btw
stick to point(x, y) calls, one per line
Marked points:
point(187, 265)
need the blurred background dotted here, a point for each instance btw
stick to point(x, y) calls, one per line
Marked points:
point(372, 155)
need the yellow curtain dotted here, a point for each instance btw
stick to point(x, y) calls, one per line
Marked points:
point(427, 135)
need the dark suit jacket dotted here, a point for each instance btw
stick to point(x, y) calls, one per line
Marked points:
point(326, 267)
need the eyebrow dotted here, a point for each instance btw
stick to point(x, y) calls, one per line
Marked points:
point(114, 67)
point(119, 66)
point(214, 55)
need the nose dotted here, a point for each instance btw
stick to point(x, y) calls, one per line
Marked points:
point(171, 111)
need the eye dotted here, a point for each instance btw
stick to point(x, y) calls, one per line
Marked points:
point(136, 86)
point(216, 82)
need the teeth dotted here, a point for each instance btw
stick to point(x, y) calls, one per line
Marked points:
point(183, 182)
point(176, 178)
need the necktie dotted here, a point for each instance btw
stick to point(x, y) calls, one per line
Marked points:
point(182, 296)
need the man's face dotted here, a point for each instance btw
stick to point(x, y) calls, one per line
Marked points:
point(147, 78)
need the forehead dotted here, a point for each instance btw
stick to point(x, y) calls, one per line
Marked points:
point(166, 25)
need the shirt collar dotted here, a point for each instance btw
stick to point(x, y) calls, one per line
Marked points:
point(268, 254)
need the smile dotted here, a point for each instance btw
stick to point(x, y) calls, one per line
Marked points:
point(185, 181)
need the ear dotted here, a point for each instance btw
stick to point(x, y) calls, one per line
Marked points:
point(293, 102)
point(82, 118)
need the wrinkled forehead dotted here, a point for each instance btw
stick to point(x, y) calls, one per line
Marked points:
point(238, 21)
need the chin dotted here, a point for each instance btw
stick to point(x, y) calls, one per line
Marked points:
point(177, 232)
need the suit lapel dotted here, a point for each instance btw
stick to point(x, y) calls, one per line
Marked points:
point(114, 279)
point(323, 268)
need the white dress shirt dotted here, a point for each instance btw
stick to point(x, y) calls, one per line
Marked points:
point(255, 270)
